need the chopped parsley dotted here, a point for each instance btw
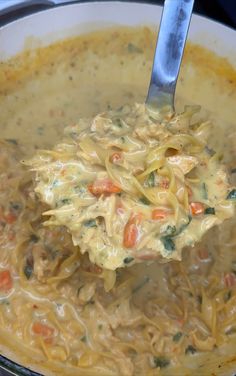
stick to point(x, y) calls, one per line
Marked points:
point(150, 182)
point(190, 350)
point(160, 362)
point(128, 259)
point(28, 270)
point(177, 336)
point(141, 284)
point(90, 223)
point(134, 49)
point(118, 123)
point(83, 339)
point(204, 191)
point(231, 195)
point(63, 201)
point(168, 243)
point(144, 200)
point(210, 211)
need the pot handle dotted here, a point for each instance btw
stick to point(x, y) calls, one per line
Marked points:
point(7, 6)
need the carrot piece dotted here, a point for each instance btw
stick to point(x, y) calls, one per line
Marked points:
point(159, 214)
point(116, 157)
point(6, 283)
point(196, 208)
point(131, 231)
point(230, 279)
point(164, 183)
point(10, 218)
point(98, 187)
point(42, 329)
point(203, 254)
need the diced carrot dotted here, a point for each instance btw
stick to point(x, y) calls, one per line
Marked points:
point(230, 279)
point(164, 183)
point(116, 157)
point(42, 329)
point(203, 254)
point(6, 283)
point(131, 231)
point(196, 208)
point(10, 218)
point(159, 214)
point(98, 187)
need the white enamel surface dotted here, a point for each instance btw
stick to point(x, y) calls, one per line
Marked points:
point(49, 26)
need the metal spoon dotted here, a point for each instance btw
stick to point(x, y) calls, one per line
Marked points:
point(171, 40)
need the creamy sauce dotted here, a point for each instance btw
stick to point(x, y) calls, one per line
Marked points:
point(153, 317)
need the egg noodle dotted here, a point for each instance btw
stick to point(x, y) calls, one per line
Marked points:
point(149, 317)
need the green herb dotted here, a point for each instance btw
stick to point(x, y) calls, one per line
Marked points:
point(183, 226)
point(144, 200)
point(118, 123)
point(34, 238)
point(100, 326)
point(231, 195)
point(177, 336)
point(233, 171)
point(234, 266)
point(122, 139)
point(204, 191)
point(40, 131)
point(128, 259)
point(28, 270)
point(160, 361)
point(141, 284)
point(12, 141)
point(210, 151)
point(65, 201)
point(16, 206)
point(227, 296)
point(168, 243)
point(83, 339)
point(151, 179)
point(90, 223)
point(210, 211)
point(199, 299)
point(190, 350)
point(134, 49)
point(170, 230)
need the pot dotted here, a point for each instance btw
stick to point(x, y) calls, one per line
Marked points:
point(74, 19)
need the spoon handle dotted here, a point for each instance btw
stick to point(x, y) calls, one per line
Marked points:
point(171, 40)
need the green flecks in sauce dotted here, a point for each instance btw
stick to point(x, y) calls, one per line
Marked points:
point(128, 260)
point(168, 243)
point(209, 211)
point(204, 191)
point(177, 336)
point(160, 361)
point(144, 200)
point(90, 223)
point(231, 195)
point(190, 350)
point(134, 49)
point(83, 339)
point(28, 270)
point(150, 182)
point(141, 284)
point(64, 201)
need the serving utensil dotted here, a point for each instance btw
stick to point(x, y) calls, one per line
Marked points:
point(173, 31)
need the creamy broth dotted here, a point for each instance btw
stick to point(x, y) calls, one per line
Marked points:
point(42, 92)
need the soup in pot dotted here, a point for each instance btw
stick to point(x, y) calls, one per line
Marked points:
point(55, 315)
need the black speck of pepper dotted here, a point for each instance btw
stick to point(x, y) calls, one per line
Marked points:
point(83, 339)
point(177, 336)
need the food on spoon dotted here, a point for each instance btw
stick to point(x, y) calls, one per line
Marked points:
point(132, 185)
